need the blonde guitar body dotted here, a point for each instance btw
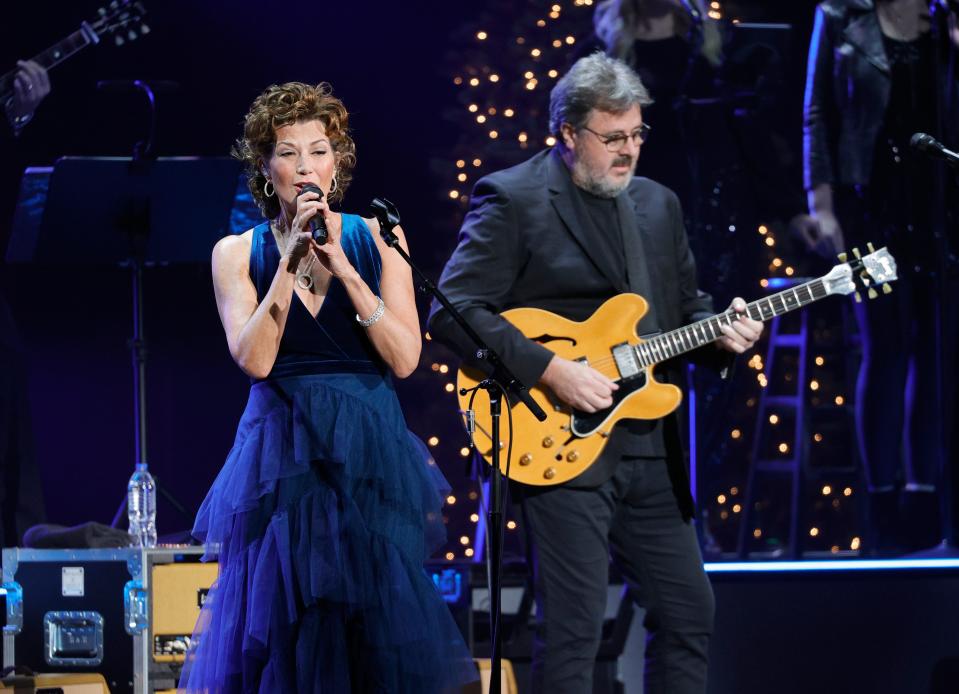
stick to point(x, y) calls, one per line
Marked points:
point(562, 447)
point(569, 441)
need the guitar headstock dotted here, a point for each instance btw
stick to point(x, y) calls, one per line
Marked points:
point(121, 18)
point(877, 268)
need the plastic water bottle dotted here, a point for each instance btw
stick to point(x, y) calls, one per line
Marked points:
point(142, 507)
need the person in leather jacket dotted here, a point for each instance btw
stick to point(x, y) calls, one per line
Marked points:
point(879, 71)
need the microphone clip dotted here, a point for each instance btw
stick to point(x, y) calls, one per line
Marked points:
point(388, 217)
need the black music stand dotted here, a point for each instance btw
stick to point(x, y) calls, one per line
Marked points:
point(137, 214)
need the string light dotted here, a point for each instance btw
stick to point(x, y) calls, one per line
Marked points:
point(433, 440)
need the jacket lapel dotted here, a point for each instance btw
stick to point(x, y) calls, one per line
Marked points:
point(865, 35)
point(634, 223)
point(572, 212)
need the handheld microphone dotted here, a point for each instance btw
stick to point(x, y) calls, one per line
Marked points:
point(931, 147)
point(317, 223)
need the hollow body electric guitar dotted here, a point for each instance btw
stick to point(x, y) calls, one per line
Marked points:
point(570, 440)
point(122, 19)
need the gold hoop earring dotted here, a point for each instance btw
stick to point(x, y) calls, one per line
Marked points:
point(269, 193)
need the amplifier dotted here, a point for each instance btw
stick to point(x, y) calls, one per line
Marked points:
point(58, 684)
point(125, 613)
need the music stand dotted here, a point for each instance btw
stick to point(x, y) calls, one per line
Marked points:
point(133, 214)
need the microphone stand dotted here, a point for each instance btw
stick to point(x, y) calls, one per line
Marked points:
point(388, 217)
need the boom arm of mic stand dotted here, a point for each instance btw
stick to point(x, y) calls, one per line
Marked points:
point(386, 215)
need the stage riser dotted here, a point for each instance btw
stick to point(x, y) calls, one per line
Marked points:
point(875, 632)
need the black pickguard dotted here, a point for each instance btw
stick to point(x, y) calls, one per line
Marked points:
point(586, 423)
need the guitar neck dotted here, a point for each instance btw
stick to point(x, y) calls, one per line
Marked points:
point(695, 335)
point(54, 55)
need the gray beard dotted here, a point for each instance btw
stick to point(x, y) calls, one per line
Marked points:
point(597, 186)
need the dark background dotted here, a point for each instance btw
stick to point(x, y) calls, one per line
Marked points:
point(389, 62)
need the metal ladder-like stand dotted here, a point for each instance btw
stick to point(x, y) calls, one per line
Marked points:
point(793, 465)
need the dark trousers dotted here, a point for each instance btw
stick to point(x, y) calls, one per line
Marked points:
point(635, 518)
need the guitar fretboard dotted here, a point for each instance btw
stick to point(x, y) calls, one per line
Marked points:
point(52, 56)
point(690, 337)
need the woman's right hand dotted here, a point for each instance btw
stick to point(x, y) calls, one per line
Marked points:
point(821, 231)
point(299, 241)
point(828, 240)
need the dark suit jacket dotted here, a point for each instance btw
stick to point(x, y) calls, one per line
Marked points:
point(526, 242)
point(848, 85)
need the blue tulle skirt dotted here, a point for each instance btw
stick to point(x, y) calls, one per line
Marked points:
point(322, 517)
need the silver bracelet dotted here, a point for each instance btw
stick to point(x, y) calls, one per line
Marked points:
point(377, 314)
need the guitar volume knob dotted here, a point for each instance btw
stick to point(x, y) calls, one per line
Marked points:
point(548, 441)
point(550, 473)
point(525, 459)
point(572, 456)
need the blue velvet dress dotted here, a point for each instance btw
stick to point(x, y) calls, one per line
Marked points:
point(322, 517)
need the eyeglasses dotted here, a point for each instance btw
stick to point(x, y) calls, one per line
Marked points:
point(615, 142)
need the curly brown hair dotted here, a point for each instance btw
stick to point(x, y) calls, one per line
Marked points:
point(284, 104)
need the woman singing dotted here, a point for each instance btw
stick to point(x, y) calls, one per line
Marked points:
point(326, 506)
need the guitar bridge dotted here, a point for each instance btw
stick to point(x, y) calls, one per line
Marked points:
point(625, 358)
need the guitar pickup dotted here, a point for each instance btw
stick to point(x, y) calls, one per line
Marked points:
point(625, 357)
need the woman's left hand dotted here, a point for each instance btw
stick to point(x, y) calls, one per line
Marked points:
point(330, 254)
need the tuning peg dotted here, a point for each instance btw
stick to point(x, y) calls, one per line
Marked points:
point(855, 252)
point(886, 289)
point(132, 35)
point(872, 293)
point(842, 257)
point(118, 40)
point(870, 247)
point(858, 298)
point(144, 29)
